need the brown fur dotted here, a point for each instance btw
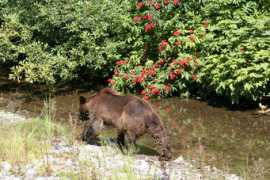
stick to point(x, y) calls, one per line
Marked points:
point(131, 116)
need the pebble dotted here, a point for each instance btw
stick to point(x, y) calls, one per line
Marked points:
point(30, 173)
point(5, 168)
point(8, 117)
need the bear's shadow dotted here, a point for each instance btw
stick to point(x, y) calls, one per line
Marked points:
point(140, 149)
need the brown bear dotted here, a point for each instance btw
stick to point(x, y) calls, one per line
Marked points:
point(130, 115)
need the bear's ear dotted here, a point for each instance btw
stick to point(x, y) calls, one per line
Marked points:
point(82, 100)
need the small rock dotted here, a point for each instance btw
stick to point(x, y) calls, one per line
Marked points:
point(69, 162)
point(47, 178)
point(8, 117)
point(141, 166)
point(10, 178)
point(5, 168)
point(30, 173)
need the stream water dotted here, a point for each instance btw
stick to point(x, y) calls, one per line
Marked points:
point(237, 141)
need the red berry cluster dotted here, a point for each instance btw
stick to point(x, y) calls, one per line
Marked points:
point(172, 64)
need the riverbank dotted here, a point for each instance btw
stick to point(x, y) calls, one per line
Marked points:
point(51, 155)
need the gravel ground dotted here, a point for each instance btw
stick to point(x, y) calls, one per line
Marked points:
point(104, 162)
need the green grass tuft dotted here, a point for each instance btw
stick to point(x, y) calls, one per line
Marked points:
point(28, 140)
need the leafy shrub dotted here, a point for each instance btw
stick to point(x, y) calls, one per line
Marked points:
point(62, 40)
point(236, 61)
point(13, 36)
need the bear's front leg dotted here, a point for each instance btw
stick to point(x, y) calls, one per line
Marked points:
point(121, 139)
point(89, 137)
point(91, 132)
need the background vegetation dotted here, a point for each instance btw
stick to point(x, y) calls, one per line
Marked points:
point(151, 47)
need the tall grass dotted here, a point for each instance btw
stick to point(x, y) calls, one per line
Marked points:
point(31, 139)
point(259, 170)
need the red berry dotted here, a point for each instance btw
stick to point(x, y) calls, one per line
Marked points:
point(146, 97)
point(139, 5)
point(184, 62)
point(110, 81)
point(148, 17)
point(172, 76)
point(166, 2)
point(157, 6)
point(155, 91)
point(143, 92)
point(176, 2)
point(126, 77)
point(177, 71)
point(190, 30)
point(177, 32)
point(137, 19)
point(194, 77)
point(177, 43)
point(161, 62)
point(139, 79)
point(149, 26)
point(121, 62)
point(163, 45)
point(167, 88)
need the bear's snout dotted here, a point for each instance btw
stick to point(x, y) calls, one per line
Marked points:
point(84, 116)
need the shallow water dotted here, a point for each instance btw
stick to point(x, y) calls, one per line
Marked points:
point(237, 141)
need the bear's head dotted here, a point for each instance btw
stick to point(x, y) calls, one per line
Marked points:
point(83, 110)
point(86, 109)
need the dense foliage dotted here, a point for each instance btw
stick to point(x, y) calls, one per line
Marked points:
point(237, 49)
point(59, 40)
point(227, 40)
point(151, 47)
